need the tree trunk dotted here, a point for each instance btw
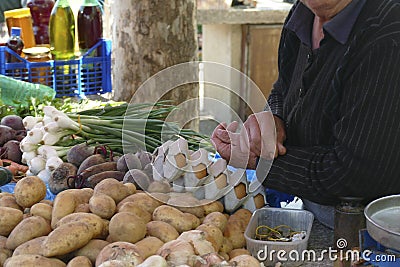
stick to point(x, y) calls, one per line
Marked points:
point(149, 36)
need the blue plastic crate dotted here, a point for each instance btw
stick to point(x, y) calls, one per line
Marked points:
point(87, 75)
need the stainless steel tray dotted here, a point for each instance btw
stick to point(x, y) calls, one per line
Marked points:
point(383, 221)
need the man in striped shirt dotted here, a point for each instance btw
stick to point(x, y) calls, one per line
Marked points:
point(336, 104)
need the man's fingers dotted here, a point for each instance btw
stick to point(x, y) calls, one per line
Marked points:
point(281, 149)
point(253, 134)
point(222, 148)
point(267, 132)
point(221, 126)
point(223, 135)
point(224, 132)
point(232, 127)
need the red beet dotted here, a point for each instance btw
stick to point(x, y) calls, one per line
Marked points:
point(13, 121)
point(12, 151)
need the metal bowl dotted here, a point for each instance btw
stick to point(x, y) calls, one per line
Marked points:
point(383, 221)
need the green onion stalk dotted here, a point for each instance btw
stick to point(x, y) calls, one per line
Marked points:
point(133, 127)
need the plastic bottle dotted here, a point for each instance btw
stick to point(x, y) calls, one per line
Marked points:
point(62, 31)
point(90, 24)
point(15, 43)
point(40, 11)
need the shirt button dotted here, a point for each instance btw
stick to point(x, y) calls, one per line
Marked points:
point(309, 57)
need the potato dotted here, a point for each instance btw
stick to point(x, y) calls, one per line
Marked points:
point(210, 207)
point(67, 238)
point(28, 229)
point(82, 195)
point(148, 246)
point(29, 190)
point(5, 194)
point(162, 230)
point(79, 261)
point(113, 188)
point(213, 235)
point(9, 201)
point(41, 209)
point(123, 251)
point(94, 221)
point(197, 239)
point(33, 261)
point(242, 215)
point(237, 252)
point(259, 201)
point(9, 218)
point(236, 227)
point(245, 261)
point(46, 201)
point(133, 208)
point(226, 246)
point(161, 197)
point(102, 205)
point(126, 226)
point(216, 218)
point(31, 247)
point(3, 241)
point(188, 204)
point(181, 221)
point(91, 249)
point(83, 207)
point(177, 252)
point(105, 233)
point(64, 204)
point(159, 187)
point(131, 188)
point(5, 253)
point(240, 190)
point(234, 231)
point(224, 255)
point(154, 261)
point(116, 263)
point(143, 201)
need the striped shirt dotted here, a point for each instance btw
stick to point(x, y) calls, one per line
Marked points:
point(341, 107)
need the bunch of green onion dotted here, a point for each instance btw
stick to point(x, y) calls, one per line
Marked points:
point(124, 128)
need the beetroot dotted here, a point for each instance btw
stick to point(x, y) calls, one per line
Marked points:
point(78, 153)
point(6, 134)
point(12, 151)
point(13, 121)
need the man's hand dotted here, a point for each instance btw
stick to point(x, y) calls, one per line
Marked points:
point(260, 135)
point(280, 136)
point(256, 139)
point(228, 144)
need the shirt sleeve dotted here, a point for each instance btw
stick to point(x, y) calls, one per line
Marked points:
point(364, 160)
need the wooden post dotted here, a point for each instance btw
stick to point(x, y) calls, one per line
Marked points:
point(149, 36)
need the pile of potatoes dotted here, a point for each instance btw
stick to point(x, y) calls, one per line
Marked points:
point(116, 225)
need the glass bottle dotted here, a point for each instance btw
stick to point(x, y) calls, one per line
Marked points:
point(62, 31)
point(90, 24)
point(349, 220)
point(40, 11)
point(15, 43)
